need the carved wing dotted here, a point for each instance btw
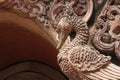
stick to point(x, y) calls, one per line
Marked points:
point(85, 59)
point(110, 72)
point(93, 64)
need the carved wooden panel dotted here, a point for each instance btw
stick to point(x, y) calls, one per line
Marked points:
point(86, 32)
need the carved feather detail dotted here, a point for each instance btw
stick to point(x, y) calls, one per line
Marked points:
point(90, 62)
point(86, 58)
point(80, 61)
point(110, 72)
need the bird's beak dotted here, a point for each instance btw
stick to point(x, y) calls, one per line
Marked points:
point(62, 39)
point(64, 30)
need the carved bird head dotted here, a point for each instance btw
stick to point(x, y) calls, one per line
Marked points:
point(64, 29)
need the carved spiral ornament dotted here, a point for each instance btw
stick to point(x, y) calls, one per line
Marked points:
point(107, 39)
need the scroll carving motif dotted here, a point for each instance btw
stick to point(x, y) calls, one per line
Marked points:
point(45, 10)
point(106, 37)
point(34, 8)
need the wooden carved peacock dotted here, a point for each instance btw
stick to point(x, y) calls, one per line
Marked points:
point(78, 60)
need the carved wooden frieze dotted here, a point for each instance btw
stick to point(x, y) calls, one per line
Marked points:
point(72, 22)
point(34, 8)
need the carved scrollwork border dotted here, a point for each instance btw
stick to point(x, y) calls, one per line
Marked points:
point(45, 10)
point(106, 36)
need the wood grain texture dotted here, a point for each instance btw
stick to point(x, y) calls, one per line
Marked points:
point(30, 70)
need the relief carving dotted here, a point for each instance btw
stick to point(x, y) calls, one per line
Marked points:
point(44, 10)
point(69, 18)
point(34, 8)
point(106, 36)
point(80, 61)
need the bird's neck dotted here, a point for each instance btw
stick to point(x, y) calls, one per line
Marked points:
point(82, 33)
point(81, 38)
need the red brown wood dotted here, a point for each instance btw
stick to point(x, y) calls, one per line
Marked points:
point(30, 70)
point(18, 44)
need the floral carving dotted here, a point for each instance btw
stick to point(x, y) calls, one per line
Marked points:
point(45, 10)
point(106, 37)
point(34, 8)
point(80, 7)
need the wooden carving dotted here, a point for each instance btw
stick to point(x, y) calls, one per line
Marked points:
point(80, 61)
point(83, 57)
point(107, 28)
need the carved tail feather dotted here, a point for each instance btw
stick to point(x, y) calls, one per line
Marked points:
point(110, 72)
